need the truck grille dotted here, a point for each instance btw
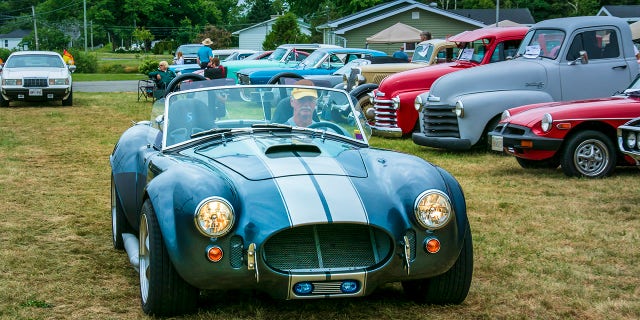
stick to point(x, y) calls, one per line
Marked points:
point(385, 114)
point(327, 247)
point(440, 121)
point(35, 82)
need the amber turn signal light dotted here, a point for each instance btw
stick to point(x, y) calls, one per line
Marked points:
point(214, 254)
point(432, 245)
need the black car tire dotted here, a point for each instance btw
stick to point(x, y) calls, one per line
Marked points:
point(162, 291)
point(3, 102)
point(119, 224)
point(276, 79)
point(68, 102)
point(589, 154)
point(550, 163)
point(450, 287)
point(174, 85)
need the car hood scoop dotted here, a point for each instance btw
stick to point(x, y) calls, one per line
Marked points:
point(258, 159)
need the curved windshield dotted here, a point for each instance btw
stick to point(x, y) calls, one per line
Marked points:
point(305, 109)
point(313, 59)
point(278, 54)
point(189, 50)
point(34, 61)
point(423, 53)
point(473, 51)
point(544, 43)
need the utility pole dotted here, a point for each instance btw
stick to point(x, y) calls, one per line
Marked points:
point(85, 25)
point(35, 28)
point(497, 12)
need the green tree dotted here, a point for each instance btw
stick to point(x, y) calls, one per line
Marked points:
point(142, 35)
point(48, 39)
point(260, 10)
point(284, 30)
point(221, 38)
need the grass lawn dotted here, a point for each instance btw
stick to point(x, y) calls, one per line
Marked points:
point(545, 246)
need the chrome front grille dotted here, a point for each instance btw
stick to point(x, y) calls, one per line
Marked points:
point(385, 114)
point(35, 82)
point(440, 121)
point(327, 247)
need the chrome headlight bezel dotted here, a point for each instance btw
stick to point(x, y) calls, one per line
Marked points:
point(11, 82)
point(631, 139)
point(433, 209)
point(418, 103)
point(360, 79)
point(214, 217)
point(546, 123)
point(459, 109)
point(59, 81)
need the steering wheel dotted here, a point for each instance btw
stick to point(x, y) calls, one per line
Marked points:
point(329, 125)
point(174, 85)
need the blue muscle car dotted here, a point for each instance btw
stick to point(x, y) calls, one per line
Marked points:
point(320, 62)
point(216, 192)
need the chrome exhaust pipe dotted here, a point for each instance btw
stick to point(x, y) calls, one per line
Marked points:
point(132, 246)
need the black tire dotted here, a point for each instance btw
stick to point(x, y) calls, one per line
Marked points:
point(68, 102)
point(450, 287)
point(174, 85)
point(589, 154)
point(550, 163)
point(162, 291)
point(3, 102)
point(119, 224)
point(276, 79)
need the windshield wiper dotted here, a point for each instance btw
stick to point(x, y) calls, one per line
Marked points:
point(210, 132)
point(272, 126)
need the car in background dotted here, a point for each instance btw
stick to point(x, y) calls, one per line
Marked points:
point(390, 108)
point(336, 79)
point(321, 62)
point(36, 76)
point(284, 55)
point(222, 54)
point(426, 53)
point(214, 194)
point(629, 139)
point(579, 136)
point(238, 54)
point(189, 53)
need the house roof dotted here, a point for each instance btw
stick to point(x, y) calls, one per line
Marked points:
point(386, 10)
point(630, 13)
point(303, 25)
point(488, 16)
point(16, 34)
point(397, 33)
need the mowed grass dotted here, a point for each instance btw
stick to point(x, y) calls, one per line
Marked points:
point(546, 246)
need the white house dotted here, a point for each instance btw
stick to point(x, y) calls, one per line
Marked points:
point(12, 39)
point(251, 38)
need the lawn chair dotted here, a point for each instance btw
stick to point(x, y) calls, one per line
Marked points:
point(150, 89)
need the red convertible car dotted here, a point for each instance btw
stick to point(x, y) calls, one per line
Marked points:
point(580, 136)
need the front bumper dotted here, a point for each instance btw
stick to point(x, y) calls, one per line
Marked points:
point(386, 132)
point(522, 142)
point(36, 94)
point(450, 143)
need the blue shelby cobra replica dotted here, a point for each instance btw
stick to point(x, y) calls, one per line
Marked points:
point(216, 192)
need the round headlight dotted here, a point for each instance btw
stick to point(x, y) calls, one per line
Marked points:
point(505, 114)
point(631, 140)
point(418, 103)
point(547, 122)
point(395, 101)
point(214, 217)
point(459, 110)
point(433, 209)
point(360, 79)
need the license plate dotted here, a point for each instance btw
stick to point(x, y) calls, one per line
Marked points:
point(35, 92)
point(496, 143)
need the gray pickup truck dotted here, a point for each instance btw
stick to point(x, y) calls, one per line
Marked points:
point(558, 60)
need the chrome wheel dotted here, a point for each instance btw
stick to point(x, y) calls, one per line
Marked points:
point(591, 158)
point(144, 259)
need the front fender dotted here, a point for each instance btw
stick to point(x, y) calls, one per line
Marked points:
point(480, 108)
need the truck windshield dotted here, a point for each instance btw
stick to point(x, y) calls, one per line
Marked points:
point(544, 43)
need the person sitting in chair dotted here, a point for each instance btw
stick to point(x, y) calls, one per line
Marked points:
point(163, 75)
point(303, 101)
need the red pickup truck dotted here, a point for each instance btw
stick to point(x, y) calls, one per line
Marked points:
point(395, 114)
